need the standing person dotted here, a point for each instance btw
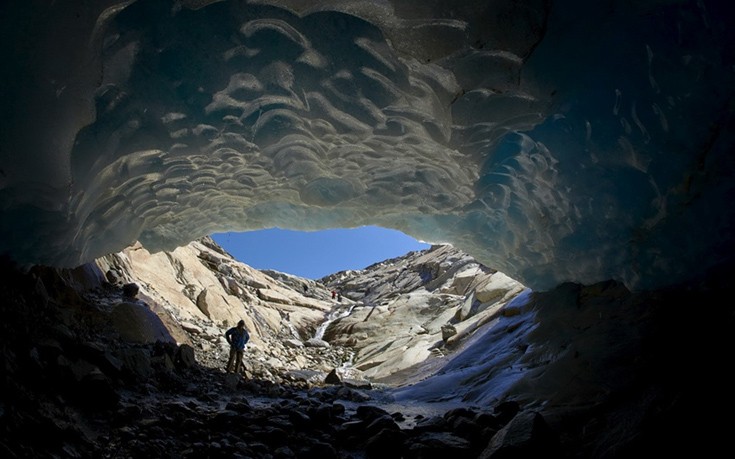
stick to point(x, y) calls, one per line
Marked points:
point(238, 338)
point(333, 294)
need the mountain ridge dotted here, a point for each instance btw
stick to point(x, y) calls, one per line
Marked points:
point(202, 287)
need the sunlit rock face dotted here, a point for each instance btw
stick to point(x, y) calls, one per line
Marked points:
point(554, 140)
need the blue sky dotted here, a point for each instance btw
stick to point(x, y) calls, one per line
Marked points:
point(316, 254)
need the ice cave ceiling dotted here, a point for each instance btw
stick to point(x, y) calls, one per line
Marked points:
point(556, 140)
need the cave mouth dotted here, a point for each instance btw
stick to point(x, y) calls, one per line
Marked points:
point(72, 353)
point(167, 121)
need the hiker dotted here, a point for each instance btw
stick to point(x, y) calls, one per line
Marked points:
point(237, 337)
point(333, 294)
point(339, 297)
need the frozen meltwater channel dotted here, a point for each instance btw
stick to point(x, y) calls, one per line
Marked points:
point(339, 311)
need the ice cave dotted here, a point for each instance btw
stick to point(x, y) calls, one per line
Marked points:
point(562, 142)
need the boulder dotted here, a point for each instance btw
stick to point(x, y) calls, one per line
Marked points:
point(293, 343)
point(194, 329)
point(202, 303)
point(231, 285)
point(370, 412)
point(497, 287)
point(273, 296)
point(130, 290)
point(185, 357)
point(350, 377)
point(318, 450)
point(526, 435)
point(333, 378)
point(465, 309)
point(96, 391)
point(448, 330)
point(113, 276)
point(430, 424)
point(316, 342)
point(232, 380)
point(137, 362)
point(439, 444)
point(386, 444)
point(136, 323)
point(219, 306)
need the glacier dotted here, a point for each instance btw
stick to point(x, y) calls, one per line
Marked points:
point(557, 141)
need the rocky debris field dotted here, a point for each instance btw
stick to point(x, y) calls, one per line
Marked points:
point(72, 388)
point(228, 416)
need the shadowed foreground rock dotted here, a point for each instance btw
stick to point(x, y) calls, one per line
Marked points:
point(74, 386)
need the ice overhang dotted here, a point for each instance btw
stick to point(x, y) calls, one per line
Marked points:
point(553, 140)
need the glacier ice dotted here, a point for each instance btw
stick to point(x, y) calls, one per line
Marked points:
point(556, 141)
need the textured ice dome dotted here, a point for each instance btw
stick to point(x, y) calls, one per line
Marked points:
point(553, 140)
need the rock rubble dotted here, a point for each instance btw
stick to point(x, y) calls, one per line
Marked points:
point(75, 386)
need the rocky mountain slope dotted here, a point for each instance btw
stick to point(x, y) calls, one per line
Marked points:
point(419, 306)
point(404, 311)
point(125, 357)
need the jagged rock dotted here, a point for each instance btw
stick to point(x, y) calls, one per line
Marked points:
point(273, 296)
point(202, 303)
point(254, 283)
point(465, 309)
point(496, 288)
point(526, 435)
point(448, 330)
point(399, 330)
point(225, 268)
point(464, 278)
point(190, 290)
point(87, 276)
point(231, 285)
point(192, 328)
point(333, 378)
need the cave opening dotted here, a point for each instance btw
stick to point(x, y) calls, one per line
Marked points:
point(597, 171)
point(136, 336)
